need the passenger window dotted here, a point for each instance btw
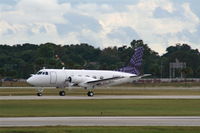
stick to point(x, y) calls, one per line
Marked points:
point(101, 77)
point(94, 77)
point(46, 73)
point(43, 73)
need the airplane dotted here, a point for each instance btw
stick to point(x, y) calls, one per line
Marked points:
point(88, 79)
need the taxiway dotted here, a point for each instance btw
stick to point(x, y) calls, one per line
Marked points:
point(100, 121)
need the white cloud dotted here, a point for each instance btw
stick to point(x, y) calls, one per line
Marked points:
point(191, 19)
point(140, 18)
point(36, 21)
point(30, 11)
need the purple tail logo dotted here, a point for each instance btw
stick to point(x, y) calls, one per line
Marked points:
point(135, 62)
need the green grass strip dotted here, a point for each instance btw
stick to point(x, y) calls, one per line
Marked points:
point(101, 130)
point(162, 107)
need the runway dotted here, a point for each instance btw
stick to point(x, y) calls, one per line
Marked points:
point(100, 97)
point(100, 121)
point(115, 88)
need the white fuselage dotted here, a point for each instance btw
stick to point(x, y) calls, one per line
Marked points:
point(59, 78)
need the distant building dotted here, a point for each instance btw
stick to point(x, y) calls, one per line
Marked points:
point(175, 69)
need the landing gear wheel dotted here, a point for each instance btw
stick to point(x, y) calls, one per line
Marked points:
point(90, 93)
point(39, 94)
point(40, 91)
point(62, 93)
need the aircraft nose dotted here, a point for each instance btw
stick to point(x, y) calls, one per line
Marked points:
point(29, 81)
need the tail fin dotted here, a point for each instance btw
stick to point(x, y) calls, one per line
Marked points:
point(135, 62)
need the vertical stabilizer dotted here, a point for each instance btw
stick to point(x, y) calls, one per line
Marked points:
point(135, 62)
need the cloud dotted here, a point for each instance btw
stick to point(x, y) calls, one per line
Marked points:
point(123, 33)
point(8, 2)
point(76, 22)
point(36, 11)
point(159, 23)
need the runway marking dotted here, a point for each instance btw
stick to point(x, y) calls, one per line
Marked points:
point(99, 97)
point(100, 121)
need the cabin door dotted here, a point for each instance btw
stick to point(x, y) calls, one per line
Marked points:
point(53, 78)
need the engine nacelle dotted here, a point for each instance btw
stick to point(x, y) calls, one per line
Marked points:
point(77, 79)
point(81, 81)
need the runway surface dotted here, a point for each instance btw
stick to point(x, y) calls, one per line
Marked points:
point(99, 121)
point(98, 97)
point(121, 88)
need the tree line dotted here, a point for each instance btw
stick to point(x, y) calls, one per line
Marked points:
point(19, 61)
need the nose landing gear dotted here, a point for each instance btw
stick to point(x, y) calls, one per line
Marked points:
point(40, 91)
point(39, 94)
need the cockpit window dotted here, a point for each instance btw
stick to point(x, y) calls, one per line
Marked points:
point(42, 73)
point(39, 73)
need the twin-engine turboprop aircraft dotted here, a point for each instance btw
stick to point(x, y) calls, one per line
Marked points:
point(88, 79)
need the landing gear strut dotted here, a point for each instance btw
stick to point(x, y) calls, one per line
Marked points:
point(62, 93)
point(40, 91)
point(90, 93)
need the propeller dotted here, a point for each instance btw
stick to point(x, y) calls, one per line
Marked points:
point(69, 83)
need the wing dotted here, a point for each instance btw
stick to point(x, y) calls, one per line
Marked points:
point(108, 81)
point(103, 81)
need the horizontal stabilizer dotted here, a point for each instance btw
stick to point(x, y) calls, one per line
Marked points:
point(141, 76)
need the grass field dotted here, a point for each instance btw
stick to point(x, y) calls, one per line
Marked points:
point(105, 91)
point(101, 130)
point(22, 108)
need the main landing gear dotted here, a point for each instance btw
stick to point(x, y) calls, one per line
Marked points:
point(62, 93)
point(90, 93)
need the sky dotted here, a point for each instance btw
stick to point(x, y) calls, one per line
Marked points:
point(101, 23)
